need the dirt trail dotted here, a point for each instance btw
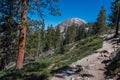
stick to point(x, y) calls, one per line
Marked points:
point(93, 66)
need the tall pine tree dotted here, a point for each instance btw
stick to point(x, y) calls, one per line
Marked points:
point(101, 25)
point(115, 15)
point(35, 6)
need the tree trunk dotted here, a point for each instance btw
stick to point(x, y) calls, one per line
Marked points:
point(22, 39)
point(117, 22)
point(2, 62)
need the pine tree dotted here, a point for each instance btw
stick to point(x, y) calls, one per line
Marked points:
point(15, 13)
point(57, 36)
point(61, 46)
point(8, 24)
point(22, 39)
point(72, 30)
point(115, 15)
point(101, 23)
point(49, 36)
point(80, 31)
point(42, 36)
point(74, 33)
point(53, 44)
point(67, 36)
point(38, 6)
point(35, 39)
point(94, 30)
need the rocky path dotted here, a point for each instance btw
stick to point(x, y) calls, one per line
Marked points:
point(92, 66)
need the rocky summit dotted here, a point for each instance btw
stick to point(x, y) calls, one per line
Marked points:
point(69, 22)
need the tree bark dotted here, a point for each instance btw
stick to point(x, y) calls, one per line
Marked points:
point(22, 39)
point(117, 22)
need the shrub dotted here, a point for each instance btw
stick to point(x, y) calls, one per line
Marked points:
point(14, 74)
point(37, 66)
point(45, 73)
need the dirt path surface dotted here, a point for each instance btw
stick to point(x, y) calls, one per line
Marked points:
point(93, 66)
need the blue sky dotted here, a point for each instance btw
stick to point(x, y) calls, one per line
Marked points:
point(84, 9)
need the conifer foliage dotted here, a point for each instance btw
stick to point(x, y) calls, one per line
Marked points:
point(115, 15)
point(100, 26)
point(13, 16)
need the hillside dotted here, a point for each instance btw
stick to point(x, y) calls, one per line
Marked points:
point(92, 67)
point(49, 65)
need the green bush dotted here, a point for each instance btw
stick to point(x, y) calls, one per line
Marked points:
point(33, 66)
point(2, 73)
point(37, 66)
point(31, 71)
point(14, 74)
point(45, 73)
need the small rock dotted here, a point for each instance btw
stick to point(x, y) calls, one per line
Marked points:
point(72, 78)
point(51, 66)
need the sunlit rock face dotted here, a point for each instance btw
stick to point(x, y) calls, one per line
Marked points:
point(65, 24)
